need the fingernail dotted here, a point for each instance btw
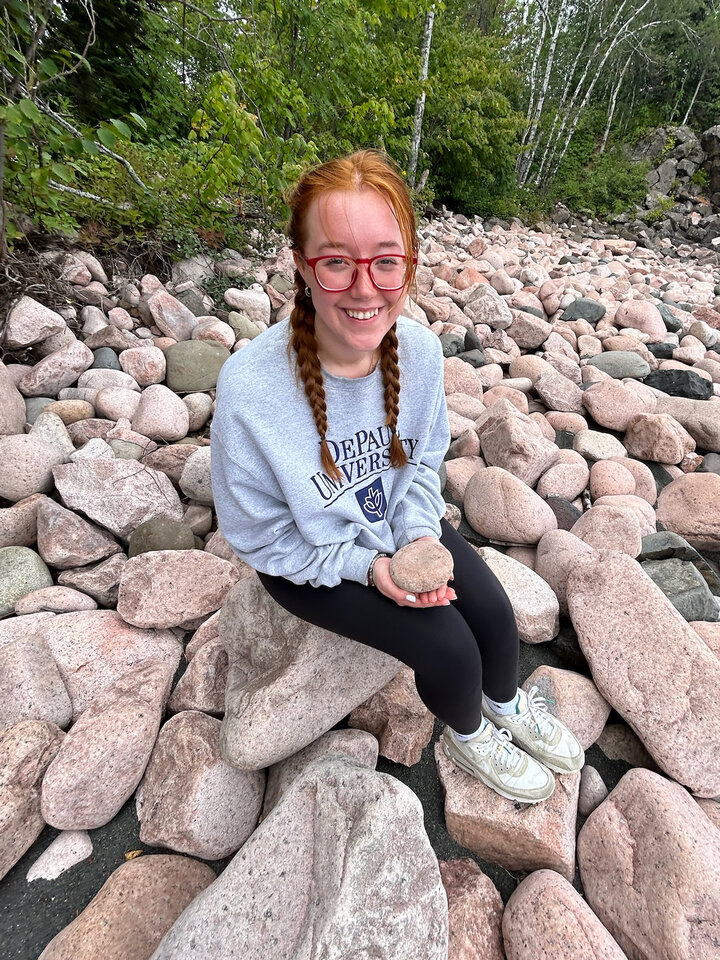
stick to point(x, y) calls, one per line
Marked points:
point(411, 598)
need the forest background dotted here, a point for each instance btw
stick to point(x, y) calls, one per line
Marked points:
point(186, 121)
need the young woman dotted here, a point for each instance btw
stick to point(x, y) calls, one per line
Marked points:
point(326, 441)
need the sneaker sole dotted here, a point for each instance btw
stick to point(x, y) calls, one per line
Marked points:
point(477, 774)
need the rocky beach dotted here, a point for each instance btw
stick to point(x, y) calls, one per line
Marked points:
point(186, 770)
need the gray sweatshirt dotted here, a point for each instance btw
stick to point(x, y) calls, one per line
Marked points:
point(276, 506)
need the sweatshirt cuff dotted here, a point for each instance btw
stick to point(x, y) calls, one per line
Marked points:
point(414, 533)
point(357, 563)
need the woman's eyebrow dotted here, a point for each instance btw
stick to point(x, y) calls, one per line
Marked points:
point(385, 245)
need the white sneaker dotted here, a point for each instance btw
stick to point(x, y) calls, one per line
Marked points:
point(539, 732)
point(492, 758)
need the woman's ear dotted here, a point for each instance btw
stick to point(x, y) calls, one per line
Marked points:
point(301, 265)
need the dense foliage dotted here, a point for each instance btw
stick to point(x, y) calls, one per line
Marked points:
point(190, 119)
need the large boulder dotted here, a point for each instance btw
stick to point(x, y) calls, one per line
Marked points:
point(650, 665)
point(288, 681)
point(648, 858)
point(341, 867)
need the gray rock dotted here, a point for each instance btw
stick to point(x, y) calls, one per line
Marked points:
point(680, 383)
point(341, 868)
point(160, 533)
point(584, 309)
point(22, 570)
point(100, 582)
point(620, 364)
point(105, 359)
point(34, 406)
point(193, 365)
point(684, 587)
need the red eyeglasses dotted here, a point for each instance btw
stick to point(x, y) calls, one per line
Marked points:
point(388, 271)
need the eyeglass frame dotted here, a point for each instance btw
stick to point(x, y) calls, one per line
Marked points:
point(312, 261)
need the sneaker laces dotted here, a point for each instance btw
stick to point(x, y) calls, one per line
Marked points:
point(500, 746)
point(537, 708)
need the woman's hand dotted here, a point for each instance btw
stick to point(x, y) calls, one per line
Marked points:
point(387, 586)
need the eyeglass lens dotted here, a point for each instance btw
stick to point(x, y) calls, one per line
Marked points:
point(336, 273)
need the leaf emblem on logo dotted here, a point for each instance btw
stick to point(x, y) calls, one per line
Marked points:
point(373, 501)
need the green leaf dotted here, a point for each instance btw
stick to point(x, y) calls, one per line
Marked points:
point(89, 146)
point(48, 67)
point(29, 110)
point(139, 120)
point(122, 128)
point(62, 171)
point(106, 137)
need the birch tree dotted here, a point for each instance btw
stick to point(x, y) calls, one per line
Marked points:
point(420, 102)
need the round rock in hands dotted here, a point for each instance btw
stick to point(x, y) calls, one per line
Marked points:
point(421, 566)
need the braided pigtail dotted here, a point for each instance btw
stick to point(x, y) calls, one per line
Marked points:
point(391, 382)
point(302, 340)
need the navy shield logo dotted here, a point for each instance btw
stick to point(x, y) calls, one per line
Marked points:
point(372, 501)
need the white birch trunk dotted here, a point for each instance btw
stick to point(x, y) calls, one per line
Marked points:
point(694, 96)
point(420, 103)
point(613, 104)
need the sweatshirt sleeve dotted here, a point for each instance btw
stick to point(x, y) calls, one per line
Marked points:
point(422, 507)
point(259, 526)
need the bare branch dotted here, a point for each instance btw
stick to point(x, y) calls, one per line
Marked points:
point(63, 188)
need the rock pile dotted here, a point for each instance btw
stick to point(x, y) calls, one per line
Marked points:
point(583, 393)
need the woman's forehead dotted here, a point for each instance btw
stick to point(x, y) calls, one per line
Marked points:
point(352, 217)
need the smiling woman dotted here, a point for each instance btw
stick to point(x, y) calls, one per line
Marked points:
point(361, 388)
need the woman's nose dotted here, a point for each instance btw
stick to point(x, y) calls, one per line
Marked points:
point(363, 284)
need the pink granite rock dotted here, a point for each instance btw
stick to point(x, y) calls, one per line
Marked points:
point(609, 477)
point(619, 742)
point(103, 757)
point(545, 918)
point(170, 460)
point(100, 581)
point(644, 514)
point(117, 494)
point(611, 528)
point(165, 588)
point(26, 466)
point(592, 790)
point(66, 540)
point(60, 369)
point(421, 566)
point(559, 393)
point(459, 472)
point(645, 486)
point(528, 331)
point(658, 437)
point(565, 478)
point(699, 417)
point(397, 718)
point(710, 633)
point(337, 821)
point(594, 445)
point(460, 378)
point(94, 649)
point(648, 859)
point(502, 507)
point(534, 604)
point(18, 524)
point(203, 685)
point(356, 745)
point(161, 414)
point(54, 600)
point(190, 800)
point(133, 910)
point(31, 687)
point(296, 680)
point(573, 699)
point(12, 405)
point(612, 404)
point(516, 836)
point(650, 666)
point(690, 506)
point(171, 316)
point(517, 445)
point(146, 365)
point(26, 751)
point(475, 910)
point(28, 322)
point(643, 316)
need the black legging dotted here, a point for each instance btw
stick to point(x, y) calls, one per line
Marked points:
point(456, 651)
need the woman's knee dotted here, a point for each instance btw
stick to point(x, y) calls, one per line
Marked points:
point(452, 654)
